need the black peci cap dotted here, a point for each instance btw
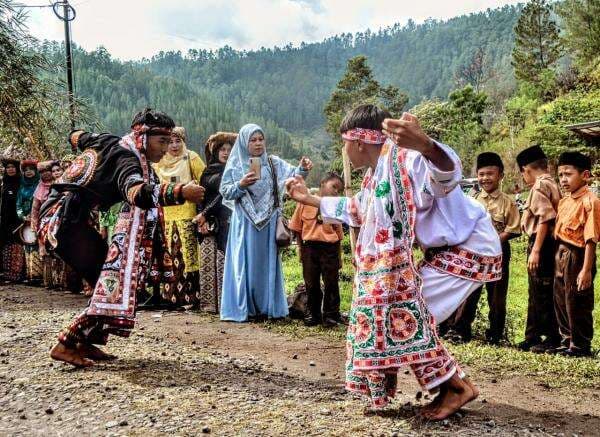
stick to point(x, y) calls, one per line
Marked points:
point(488, 159)
point(576, 159)
point(529, 155)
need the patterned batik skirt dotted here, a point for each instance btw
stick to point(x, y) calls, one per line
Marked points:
point(13, 262)
point(183, 246)
point(211, 275)
point(33, 264)
point(64, 277)
point(48, 275)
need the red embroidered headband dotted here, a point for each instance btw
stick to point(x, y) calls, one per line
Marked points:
point(367, 136)
point(141, 129)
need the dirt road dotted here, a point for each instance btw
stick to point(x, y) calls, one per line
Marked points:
point(188, 374)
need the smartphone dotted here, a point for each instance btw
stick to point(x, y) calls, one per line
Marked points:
point(255, 166)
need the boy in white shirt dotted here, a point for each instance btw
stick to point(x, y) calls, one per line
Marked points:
point(408, 195)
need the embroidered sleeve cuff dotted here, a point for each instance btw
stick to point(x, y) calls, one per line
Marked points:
point(171, 194)
point(442, 182)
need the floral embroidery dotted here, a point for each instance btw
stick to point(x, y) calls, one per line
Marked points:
point(382, 236)
point(362, 328)
point(389, 208)
point(383, 189)
point(82, 169)
point(341, 207)
point(397, 230)
point(402, 324)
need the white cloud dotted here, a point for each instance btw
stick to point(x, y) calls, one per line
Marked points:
point(133, 29)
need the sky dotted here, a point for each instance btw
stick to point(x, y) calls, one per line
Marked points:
point(133, 29)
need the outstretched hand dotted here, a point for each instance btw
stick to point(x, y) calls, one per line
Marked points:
point(297, 190)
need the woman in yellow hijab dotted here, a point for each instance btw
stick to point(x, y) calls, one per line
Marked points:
point(181, 165)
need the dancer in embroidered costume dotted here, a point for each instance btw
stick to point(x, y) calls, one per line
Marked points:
point(39, 197)
point(112, 169)
point(408, 195)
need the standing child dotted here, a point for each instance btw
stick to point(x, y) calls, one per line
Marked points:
point(577, 231)
point(506, 219)
point(319, 245)
point(538, 223)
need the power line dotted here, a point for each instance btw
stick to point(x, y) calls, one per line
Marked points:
point(32, 6)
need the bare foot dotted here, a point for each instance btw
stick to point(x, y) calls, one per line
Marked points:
point(94, 353)
point(436, 401)
point(70, 356)
point(459, 393)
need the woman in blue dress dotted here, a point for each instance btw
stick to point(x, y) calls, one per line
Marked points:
point(253, 281)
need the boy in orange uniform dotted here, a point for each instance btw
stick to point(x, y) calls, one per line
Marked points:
point(319, 245)
point(577, 231)
point(537, 222)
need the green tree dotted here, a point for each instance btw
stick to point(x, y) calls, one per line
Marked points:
point(357, 87)
point(537, 43)
point(459, 121)
point(33, 114)
point(581, 20)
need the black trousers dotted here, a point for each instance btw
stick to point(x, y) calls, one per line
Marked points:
point(541, 317)
point(322, 260)
point(83, 249)
point(462, 319)
point(573, 307)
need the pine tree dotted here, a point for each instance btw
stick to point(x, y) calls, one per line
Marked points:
point(357, 87)
point(537, 44)
point(582, 29)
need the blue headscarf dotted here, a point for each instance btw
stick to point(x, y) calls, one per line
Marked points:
point(258, 202)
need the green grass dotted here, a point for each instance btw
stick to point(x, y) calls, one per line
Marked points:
point(502, 362)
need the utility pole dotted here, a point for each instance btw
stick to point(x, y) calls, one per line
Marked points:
point(68, 15)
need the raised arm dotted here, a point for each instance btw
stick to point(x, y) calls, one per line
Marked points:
point(286, 170)
point(333, 209)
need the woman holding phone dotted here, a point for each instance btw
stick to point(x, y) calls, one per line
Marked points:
point(253, 281)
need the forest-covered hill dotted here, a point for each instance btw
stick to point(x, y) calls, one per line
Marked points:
point(286, 88)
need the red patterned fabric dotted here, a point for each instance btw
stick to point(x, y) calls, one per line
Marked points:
point(367, 136)
point(13, 262)
point(389, 323)
point(137, 254)
point(465, 264)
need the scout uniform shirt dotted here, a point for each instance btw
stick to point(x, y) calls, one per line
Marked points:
point(541, 204)
point(578, 219)
point(502, 209)
point(306, 221)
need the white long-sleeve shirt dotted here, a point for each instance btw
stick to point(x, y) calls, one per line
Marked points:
point(445, 216)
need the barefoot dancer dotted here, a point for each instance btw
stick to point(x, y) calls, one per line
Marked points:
point(408, 194)
point(110, 170)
